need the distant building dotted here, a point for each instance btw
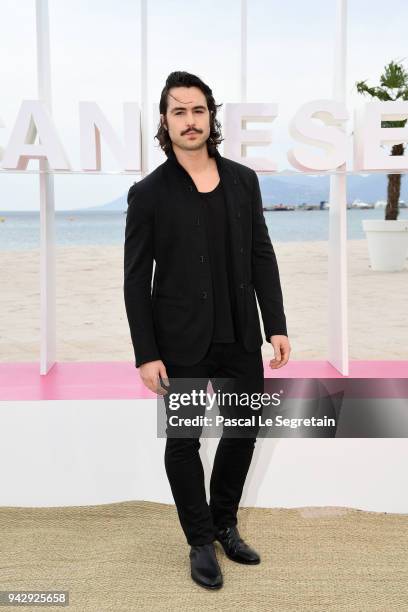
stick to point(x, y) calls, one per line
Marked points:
point(361, 205)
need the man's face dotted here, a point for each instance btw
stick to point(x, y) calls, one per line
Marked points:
point(187, 118)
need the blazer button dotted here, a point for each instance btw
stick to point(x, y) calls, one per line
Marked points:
point(204, 295)
point(202, 258)
point(241, 250)
point(242, 286)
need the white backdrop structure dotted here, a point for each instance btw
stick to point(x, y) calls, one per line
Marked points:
point(36, 115)
point(337, 353)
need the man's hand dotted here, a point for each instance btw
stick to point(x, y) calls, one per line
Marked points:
point(282, 349)
point(150, 372)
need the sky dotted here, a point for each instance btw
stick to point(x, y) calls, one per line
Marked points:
point(95, 55)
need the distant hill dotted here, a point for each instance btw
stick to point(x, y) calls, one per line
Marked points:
point(311, 190)
point(298, 189)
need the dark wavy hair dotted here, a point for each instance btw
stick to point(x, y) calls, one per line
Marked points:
point(185, 79)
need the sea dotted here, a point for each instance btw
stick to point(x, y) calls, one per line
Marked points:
point(21, 230)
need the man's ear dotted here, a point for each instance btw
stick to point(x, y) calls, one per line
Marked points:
point(162, 122)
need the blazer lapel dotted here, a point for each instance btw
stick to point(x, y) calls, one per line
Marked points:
point(233, 195)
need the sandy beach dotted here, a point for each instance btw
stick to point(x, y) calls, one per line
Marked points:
point(92, 323)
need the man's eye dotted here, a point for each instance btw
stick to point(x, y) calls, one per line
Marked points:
point(181, 112)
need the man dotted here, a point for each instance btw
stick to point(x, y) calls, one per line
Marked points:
point(199, 216)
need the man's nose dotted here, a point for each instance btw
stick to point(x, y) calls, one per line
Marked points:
point(190, 119)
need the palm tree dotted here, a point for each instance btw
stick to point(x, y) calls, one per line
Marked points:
point(393, 86)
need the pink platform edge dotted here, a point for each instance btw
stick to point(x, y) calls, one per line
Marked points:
point(120, 380)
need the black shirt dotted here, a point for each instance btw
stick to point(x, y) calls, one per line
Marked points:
point(221, 269)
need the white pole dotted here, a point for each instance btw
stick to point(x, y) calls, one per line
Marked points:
point(337, 248)
point(143, 85)
point(243, 51)
point(47, 207)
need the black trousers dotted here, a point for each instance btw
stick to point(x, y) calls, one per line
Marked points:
point(230, 368)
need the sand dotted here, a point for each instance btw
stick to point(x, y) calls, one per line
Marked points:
point(92, 323)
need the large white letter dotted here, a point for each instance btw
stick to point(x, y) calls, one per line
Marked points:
point(332, 139)
point(369, 135)
point(237, 138)
point(93, 123)
point(34, 118)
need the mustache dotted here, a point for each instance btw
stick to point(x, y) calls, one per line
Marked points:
point(189, 132)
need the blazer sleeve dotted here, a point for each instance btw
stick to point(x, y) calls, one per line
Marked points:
point(138, 266)
point(265, 272)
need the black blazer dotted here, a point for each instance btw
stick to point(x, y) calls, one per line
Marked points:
point(165, 223)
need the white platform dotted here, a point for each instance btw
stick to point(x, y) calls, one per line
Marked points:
point(72, 453)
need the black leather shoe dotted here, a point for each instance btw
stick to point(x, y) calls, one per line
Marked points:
point(234, 546)
point(204, 566)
